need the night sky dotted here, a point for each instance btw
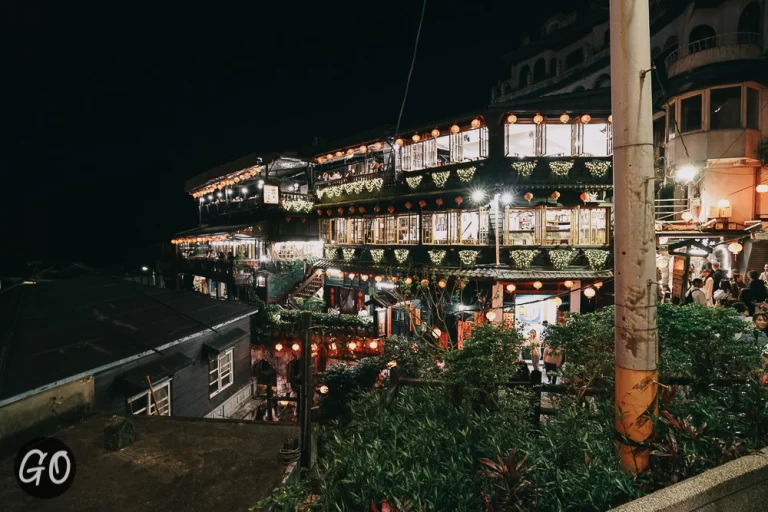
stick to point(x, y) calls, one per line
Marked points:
point(113, 106)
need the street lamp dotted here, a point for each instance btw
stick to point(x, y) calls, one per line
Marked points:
point(686, 174)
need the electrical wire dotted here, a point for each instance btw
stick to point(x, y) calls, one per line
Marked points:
point(410, 73)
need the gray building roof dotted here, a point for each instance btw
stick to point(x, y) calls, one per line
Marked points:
point(57, 331)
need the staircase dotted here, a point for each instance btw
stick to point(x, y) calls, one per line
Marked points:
point(305, 290)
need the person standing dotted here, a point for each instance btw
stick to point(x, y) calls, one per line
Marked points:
point(737, 284)
point(696, 295)
point(553, 360)
point(723, 292)
point(307, 268)
point(709, 286)
point(718, 275)
point(757, 287)
point(534, 344)
point(764, 275)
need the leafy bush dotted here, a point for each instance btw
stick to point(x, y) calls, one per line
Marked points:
point(413, 358)
point(345, 383)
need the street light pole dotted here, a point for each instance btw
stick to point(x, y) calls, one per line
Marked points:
point(636, 335)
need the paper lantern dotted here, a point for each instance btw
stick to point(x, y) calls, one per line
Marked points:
point(538, 119)
point(378, 279)
point(374, 344)
point(442, 283)
point(435, 133)
point(323, 389)
point(352, 345)
point(320, 213)
point(339, 154)
point(528, 196)
point(287, 219)
point(537, 285)
point(377, 146)
point(422, 203)
point(455, 129)
point(568, 284)
point(363, 149)
point(351, 209)
point(329, 156)
point(436, 332)
point(555, 195)
point(589, 293)
point(391, 209)
point(340, 274)
point(610, 118)
point(351, 275)
point(491, 316)
point(329, 212)
point(363, 277)
point(735, 248)
point(557, 301)
point(279, 347)
point(333, 346)
point(295, 347)
point(439, 201)
point(408, 280)
point(584, 196)
point(564, 118)
point(511, 119)
point(459, 200)
point(340, 210)
point(762, 188)
point(424, 282)
point(377, 209)
point(350, 152)
point(408, 204)
point(661, 263)
point(320, 159)
point(586, 118)
point(416, 137)
point(399, 142)
point(475, 123)
point(511, 288)
point(598, 284)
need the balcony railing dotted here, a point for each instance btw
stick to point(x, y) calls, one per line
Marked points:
point(668, 210)
point(710, 50)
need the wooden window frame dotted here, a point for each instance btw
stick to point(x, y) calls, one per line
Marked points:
point(507, 239)
point(591, 235)
point(148, 408)
point(222, 371)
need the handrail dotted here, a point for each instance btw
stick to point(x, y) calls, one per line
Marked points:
point(707, 43)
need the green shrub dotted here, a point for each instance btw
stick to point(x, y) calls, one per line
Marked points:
point(120, 434)
point(346, 383)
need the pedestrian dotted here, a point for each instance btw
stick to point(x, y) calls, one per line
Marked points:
point(709, 286)
point(307, 268)
point(718, 275)
point(696, 295)
point(761, 324)
point(723, 293)
point(764, 275)
point(742, 310)
point(230, 257)
point(757, 287)
point(534, 344)
point(737, 283)
point(553, 360)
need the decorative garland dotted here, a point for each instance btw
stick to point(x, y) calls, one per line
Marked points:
point(468, 257)
point(353, 187)
point(348, 254)
point(467, 174)
point(414, 181)
point(561, 168)
point(596, 258)
point(297, 205)
point(436, 257)
point(523, 259)
point(401, 255)
point(377, 255)
point(598, 168)
point(560, 258)
point(440, 178)
point(525, 168)
point(330, 253)
point(373, 185)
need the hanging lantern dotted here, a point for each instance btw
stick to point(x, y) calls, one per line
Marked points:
point(424, 282)
point(361, 209)
point(351, 209)
point(511, 288)
point(333, 346)
point(363, 149)
point(374, 344)
point(339, 154)
point(363, 277)
point(442, 283)
point(735, 248)
point(320, 213)
point(287, 219)
point(439, 201)
point(586, 118)
point(661, 263)
point(377, 146)
point(408, 280)
point(329, 156)
point(455, 129)
point(538, 119)
point(435, 133)
point(295, 347)
point(378, 279)
point(350, 152)
point(377, 208)
point(408, 204)
point(564, 118)
point(340, 210)
point(557, 301)
point(391, 209)
point(329, 212)
point(323, 389)
point(352, 345)
point(598, 284)
point(416, 137)
point(687, 216)
point(762, 188)
point(436, 332)
point(340, 274)
point(351, 275)
point(491, 316)
point(584, 196)
point(320, 159)
point(475, 123)
point(589, 293)
point(399, 142)
point(568, 284)
point(459, 200)
point(555, 195)
point(279, 347)
point(528, 196)
point(537, 285)
point(303, 220)
point(422, 203)
point(511, 119)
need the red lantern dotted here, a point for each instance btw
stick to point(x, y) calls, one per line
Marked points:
point(361, 209)
point(422, 203)
point(329, 212)
point(528, 196)
point(584, 197)
point(351, 209)
point(408, 205)
point(287, 219)
point(303, 220)
point(459, 200)
point(320, 212)
point(391, 209)
point(340, 210)
point(555, 195)
point(439, 201)
point(377, 209)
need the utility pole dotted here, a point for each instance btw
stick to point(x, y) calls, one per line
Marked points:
point(636, 336)
point(306, 391)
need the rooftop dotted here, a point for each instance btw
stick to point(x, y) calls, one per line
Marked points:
point(177, 464)
point(56, 331)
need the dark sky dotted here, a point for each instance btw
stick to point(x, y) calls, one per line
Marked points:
point(112, 106)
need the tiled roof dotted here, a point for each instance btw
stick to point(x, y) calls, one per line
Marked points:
point(503, 274)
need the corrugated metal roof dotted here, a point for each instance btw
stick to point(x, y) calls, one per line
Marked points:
point(59, 329)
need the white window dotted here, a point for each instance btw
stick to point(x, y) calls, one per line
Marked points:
point(557, 140)
point(144, 404)
point(596, 139)
point(521, 139)
point(220, 373)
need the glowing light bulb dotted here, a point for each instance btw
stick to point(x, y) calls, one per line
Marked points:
point(323, 389)
point(295, 347)
point(686, 174)
point(279, 347)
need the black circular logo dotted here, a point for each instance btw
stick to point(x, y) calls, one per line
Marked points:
point(45, 468)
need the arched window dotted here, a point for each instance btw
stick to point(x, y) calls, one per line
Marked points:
point(539, 70)
point(701, 38)
point(670, 44)
point(603, 81)
point(523, 80)
point(749, 23)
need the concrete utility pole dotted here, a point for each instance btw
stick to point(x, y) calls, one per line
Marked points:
point(636, 338)
point(307, 391)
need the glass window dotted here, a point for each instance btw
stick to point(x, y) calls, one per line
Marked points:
point(593, 226)
point(339, 231)
point(326, 232)
point(595, 141)
point(753, 108)
point(473, 227)
point(671, 122)
point(355, 231)
point(474, 144)
point(690, 114)
point(557, 140)
point(558, 226)
point(220, 372)
point(521, 227)
point(368, 230)
point(521, 139)
point(725, 108)
point(384, 230)
point(443, 150)
point(408, 229)
point(143, 403)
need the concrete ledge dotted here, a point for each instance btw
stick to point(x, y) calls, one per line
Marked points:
point(740, 485)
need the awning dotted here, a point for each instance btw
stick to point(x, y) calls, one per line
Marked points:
point(134, 381)
point(225, 341)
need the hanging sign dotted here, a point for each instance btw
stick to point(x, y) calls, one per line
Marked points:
point(271, 194)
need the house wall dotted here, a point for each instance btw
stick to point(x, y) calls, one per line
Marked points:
point(189, 387)
point(62, 401)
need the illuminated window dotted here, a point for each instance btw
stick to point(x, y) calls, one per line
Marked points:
point(326, 231)
point(593, 226)
point(473, 227)
point(671, 122)
point(557, 226)
point(469, 145)
point(408, 229)
point(340, 231)
point(355, 230)
point(595, 139)
point(220, 372)
point(521, 139)
point(144, 404)
point(384, 230)
point(557, 140)
point(520, 227)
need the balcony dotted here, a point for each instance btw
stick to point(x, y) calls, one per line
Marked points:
point(711, 50)
point(337, 185)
